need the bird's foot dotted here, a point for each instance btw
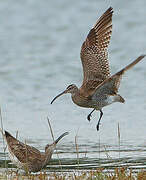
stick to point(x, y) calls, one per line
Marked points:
point(88, 117)
point(97, 127)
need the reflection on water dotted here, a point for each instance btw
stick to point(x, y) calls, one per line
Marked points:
point(39, 48)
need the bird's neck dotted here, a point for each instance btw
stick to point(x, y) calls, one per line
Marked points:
point(48, 155)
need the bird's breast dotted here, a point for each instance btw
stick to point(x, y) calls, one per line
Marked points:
point(83, 101)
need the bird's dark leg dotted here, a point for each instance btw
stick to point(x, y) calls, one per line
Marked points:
point(89, 115)
point(101, 113)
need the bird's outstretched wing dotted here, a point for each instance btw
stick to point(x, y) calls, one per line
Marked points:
point(94, 54)
point(23, 152)
point(111, 85)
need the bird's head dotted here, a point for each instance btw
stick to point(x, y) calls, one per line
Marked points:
point(70, 89)
point(50, 147)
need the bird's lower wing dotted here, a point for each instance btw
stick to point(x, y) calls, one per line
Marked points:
point(111, 85)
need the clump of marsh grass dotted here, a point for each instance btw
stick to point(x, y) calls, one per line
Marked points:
point(98, 174)
point(119, 138)
point(77, 148)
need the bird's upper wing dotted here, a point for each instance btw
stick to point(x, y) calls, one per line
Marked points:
point(23, 152)
point(94, 54)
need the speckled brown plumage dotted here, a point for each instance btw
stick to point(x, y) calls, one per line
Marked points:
point(27, 157)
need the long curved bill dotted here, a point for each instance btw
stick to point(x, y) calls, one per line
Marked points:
point(60, 137)
point(64, 92)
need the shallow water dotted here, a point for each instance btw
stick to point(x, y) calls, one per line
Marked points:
point(40, 55)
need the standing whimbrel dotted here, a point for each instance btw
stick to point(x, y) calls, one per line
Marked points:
point(99, 88)
point(27, 157)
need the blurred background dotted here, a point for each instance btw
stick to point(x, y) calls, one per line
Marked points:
point(40, 45)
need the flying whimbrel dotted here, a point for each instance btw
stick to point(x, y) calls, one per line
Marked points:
point(27, 157)
point(99, 88)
